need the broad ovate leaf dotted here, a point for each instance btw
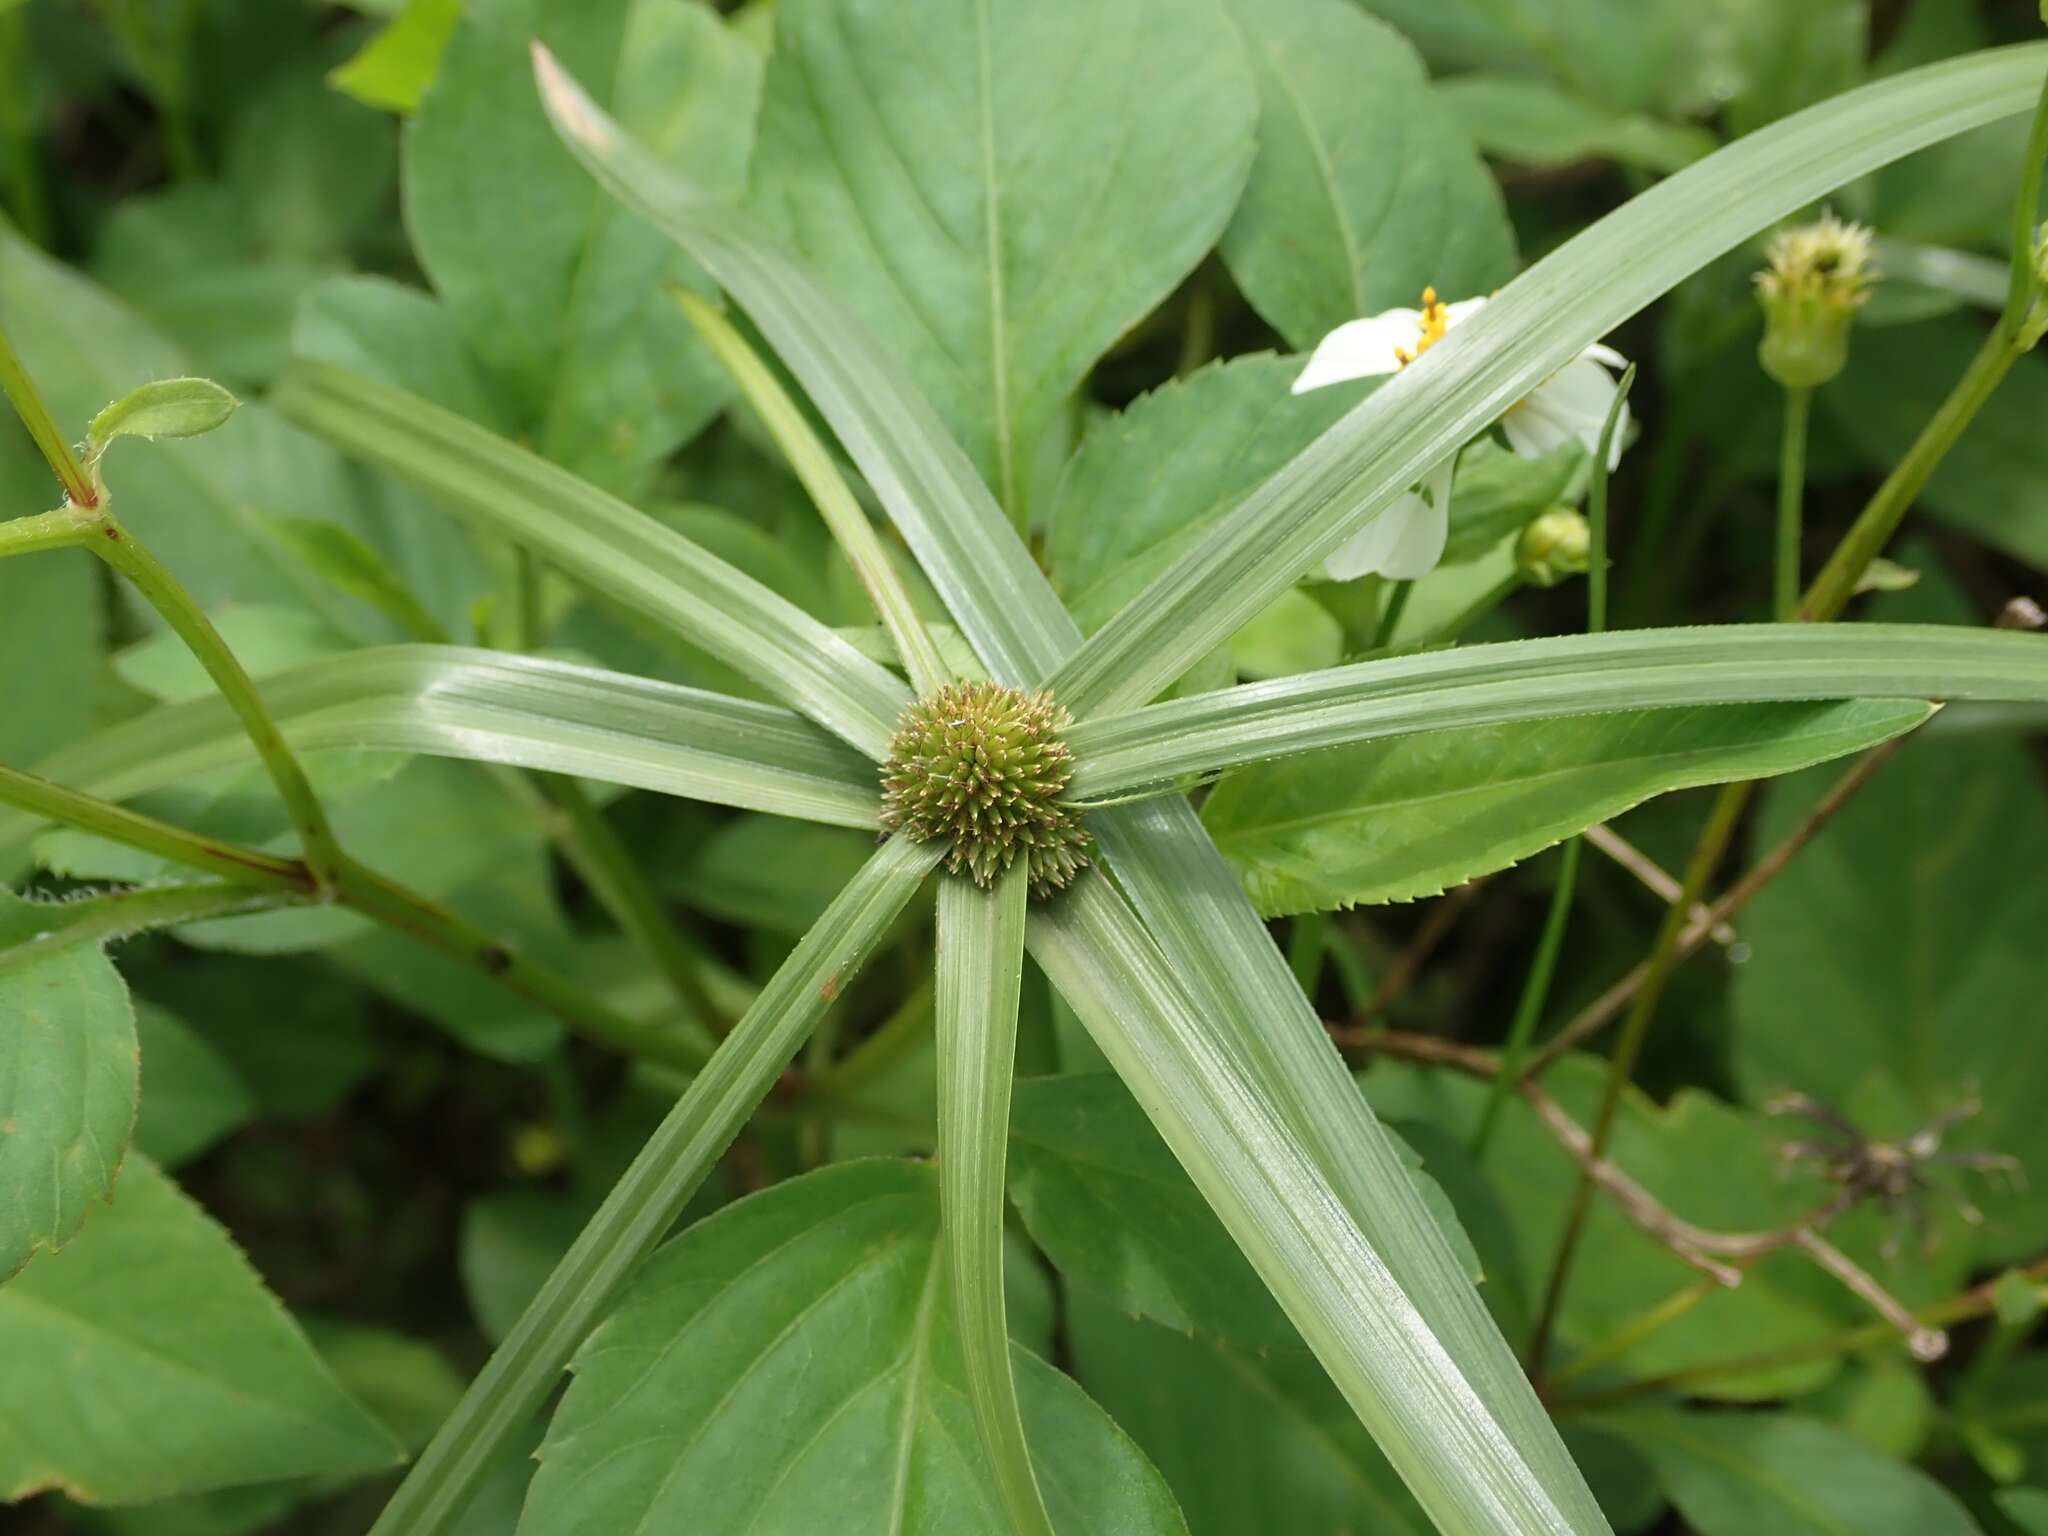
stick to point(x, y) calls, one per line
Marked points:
point(1365, 189)
point(147, 1361)
point(789, 1366)
point(933, 162)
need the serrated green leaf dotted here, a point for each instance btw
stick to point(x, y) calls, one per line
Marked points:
point(1741, 1474)
point(163, 408)
point(906, 151)
point(147, 1361)
point(789, 1365)
point(67, 1086)
point(1396, 820)
point(1365, 190)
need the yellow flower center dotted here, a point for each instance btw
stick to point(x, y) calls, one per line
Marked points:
point(1435, 321)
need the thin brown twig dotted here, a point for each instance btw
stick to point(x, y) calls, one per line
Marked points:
point(1721, 1256)
point(1597, 1014)
point(1654, 876)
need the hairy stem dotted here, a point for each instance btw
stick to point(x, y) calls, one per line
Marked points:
point(55, 448)
point(60, 529)
point(117, 914)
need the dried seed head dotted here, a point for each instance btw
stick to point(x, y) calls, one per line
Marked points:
point(983, 765)
point(1819, 276)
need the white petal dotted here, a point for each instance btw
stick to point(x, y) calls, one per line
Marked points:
point(1602, 353)
point(1532, 433)
point(1363, 553)
point(1424, 531)
point(1581, 388)
point(1464, 309)
point(1359, 349)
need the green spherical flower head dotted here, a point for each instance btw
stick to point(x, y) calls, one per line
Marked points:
point(984, 765)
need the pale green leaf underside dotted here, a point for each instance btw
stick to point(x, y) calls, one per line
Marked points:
point(67, 1085)
point(1396, 820)
point(789, 1366)
point(618, 552)
point(1557, 676)
point(147, 1361)
point(1534, 326)
point(452, 701)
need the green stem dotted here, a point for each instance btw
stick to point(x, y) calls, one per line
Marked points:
point(1643, 1326)
point(387, 902)
point(1635, 1029)
point(1597, 557)
point(120, 549)
point(828, 491)
point(42, 427)
point(46, 530)
point(1535, 992)
point(115, 915)
point(246, 866)
point(1791, 492)
point(1880, 518)
point(1305, 947)
point(1390, 617)
point(2026, 213)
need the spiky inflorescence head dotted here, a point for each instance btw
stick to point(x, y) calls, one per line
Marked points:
point(984, 765)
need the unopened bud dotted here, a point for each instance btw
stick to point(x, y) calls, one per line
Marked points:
point(1559, 543)
point(1819, 276)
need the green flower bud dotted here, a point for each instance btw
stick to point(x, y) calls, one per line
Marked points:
point(983, 765)
point(1558, 544)
point(1819, 276)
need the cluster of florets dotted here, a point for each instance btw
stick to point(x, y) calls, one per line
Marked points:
point(983, 765)
point(1818, 276)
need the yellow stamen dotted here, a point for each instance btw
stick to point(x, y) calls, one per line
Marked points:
point(1435, 321)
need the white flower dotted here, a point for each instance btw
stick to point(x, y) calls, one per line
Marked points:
point(1407, 539)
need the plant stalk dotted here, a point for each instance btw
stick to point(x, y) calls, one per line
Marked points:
point(1791, 494)
point(55, 448)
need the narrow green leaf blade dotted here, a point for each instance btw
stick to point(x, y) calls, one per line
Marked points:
point(888, 428)
point(652, 1191)
point(490, 706)
point(68, 1083)
point(1532, 327)
point(1397, 820)
point(153, 1317)
point(980, 968)
point(789, 1366)
point(1266, 1182)
point(1548, 678)
point(618, 552)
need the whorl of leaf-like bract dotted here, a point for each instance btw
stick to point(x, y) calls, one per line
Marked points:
point(983, 765)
